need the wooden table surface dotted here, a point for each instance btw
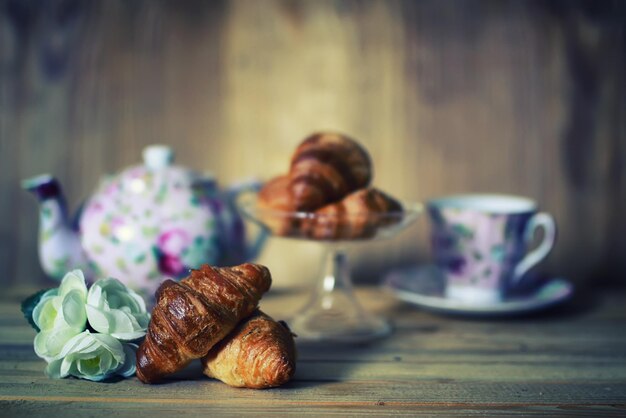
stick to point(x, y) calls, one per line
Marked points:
point(569, 362)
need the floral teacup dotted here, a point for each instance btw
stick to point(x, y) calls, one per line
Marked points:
point(480, 243)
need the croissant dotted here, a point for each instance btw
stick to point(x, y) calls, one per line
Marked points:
point(260, 353)
point(325, 168)
point(276, 204)
point(356, 216)
point(192, 315)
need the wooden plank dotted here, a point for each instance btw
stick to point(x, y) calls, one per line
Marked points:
point(337, 398)
point(376, 409)
point(325, 392)
point(433, 366)
point(404, 375)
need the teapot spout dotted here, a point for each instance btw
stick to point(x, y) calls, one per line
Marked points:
point(60, 248)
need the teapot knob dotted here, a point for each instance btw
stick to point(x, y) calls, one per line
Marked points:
point(157, 157)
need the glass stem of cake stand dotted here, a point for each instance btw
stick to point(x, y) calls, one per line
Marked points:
point(335, 278)
point(333, 313)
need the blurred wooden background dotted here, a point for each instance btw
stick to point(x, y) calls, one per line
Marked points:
point(448, 96)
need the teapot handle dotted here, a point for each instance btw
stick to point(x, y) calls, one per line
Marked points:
point(253, 249)
point(250, 185)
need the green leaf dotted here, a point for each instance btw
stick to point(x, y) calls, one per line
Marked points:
point(29, 304)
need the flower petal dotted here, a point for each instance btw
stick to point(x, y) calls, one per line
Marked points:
point(54, 369)
point(74, 309)
point(141, 304)
point(112, 345)
point(114, 309)
point(43, 301)
point(73, 280)
point(122, 322)
point(50, 344)
point(94, 296)
point(128, 368)
point(98, 319)
point(88, 356)
point(79, 341)
point(107, 363)
point(128, 336)
point(45, 313)
point(91, 365)
point(40, 344)
point(66, 365)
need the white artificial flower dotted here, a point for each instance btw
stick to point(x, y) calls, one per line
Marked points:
point(116, 310)
point(93, 357)
point(60, 315)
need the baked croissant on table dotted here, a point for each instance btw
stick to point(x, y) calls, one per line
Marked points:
point(191, 316)
point(325, 167)
point(260, 353)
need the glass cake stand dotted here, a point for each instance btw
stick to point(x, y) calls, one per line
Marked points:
point(333, 313)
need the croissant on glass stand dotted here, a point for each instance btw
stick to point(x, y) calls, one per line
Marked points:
point(260, 353)
point(277, 205)
point(191, 316)
point(325, 167)
point(356, 216)
point(328, 184)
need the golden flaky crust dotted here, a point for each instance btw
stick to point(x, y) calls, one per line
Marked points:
point(326, 167)
point(191, 316)
point(260, 353)
point(356, 216)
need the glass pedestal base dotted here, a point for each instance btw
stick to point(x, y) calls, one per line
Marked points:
point(333, 313)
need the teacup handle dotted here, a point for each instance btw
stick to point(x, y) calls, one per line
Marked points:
point(540, 220)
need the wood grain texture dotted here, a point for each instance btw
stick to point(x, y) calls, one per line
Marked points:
point(448, 96)
point(566, 362)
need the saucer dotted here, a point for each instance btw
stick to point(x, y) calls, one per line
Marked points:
point(424, 286)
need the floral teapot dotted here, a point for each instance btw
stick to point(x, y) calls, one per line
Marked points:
point(149, 223)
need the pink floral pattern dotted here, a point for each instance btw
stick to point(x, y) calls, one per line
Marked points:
point(147, 224)
point(170, 246)
point(140, 223)
point(477, 249)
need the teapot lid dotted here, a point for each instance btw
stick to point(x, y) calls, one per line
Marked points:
point(157, 157)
